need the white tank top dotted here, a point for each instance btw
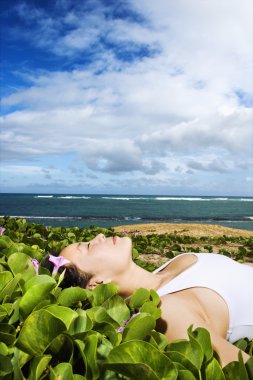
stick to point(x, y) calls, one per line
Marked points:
point(231, 280)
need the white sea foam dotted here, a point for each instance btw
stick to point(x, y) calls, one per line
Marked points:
point(73, 197)
point(246, 199)
point(44, 196)
point(43, 217)
point(179, 199)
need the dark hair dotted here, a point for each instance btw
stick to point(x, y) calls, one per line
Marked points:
point(72, 277)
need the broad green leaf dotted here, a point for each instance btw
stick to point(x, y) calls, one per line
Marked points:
point(5, 277)
point(242, 368)
point(184, 374)
point(138, 298)
point(203, 338)
point(150, 308)
point(5, 310)
point(73, 295)
point(102, 292)
point(249, 367)
point(62, 371)
point(38, 366)
point(158, 340)
point(3, 349)
point(155, 297)
point(7, 333)
point(39, 329)
point(182, 351)
point(5, 241)
point(19, 262)
point(197, 353)
point(140, 360)
point(38, 280)
point(65, 314)
point(61, 348)
point(100, 315)
point(80, 348)
point(90, 351)
point(109, 331)
point(139, 327)
point(116, 308)
point(213, 371)
point(7, 292)
point(81, 324)
point(39, 288)
point(5, 366)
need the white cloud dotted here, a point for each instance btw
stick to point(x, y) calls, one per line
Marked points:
point(172, 109)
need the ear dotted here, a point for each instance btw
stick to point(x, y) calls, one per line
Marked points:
point(95, 281)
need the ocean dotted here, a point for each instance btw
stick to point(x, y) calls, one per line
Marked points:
point(113, 210)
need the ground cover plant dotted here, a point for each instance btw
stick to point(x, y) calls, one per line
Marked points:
point(74, 334)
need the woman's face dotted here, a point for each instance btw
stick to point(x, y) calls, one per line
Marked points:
point(105, 258)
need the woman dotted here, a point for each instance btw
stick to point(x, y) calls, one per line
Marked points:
point(206, 290)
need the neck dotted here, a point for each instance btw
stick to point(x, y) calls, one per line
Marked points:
point(136, 277)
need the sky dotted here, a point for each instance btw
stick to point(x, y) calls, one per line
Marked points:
point(127, 97)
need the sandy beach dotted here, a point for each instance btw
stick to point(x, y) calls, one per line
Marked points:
point(186, 229)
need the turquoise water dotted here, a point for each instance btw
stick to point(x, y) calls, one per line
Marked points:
point(112, 210)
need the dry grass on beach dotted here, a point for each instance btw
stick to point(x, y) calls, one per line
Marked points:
point(197, 231)
point(186, 229)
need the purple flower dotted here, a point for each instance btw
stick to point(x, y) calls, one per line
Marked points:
point(35, 264)
point(57, 261)
point(2, 229)
point(136, 233)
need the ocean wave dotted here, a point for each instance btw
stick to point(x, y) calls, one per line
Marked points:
point(44, 196)
point(126, 198)
point(246, 199)
point(44, 217)
point(249, 217)
point(73, 197)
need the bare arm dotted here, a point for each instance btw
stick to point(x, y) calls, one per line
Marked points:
point(250, 264)
point(178, 316)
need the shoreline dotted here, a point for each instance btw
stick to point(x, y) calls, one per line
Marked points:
point(185, 229)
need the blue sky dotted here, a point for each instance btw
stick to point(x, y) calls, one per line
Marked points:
point(127, 97)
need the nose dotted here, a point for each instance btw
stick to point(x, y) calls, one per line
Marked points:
point(100, 237)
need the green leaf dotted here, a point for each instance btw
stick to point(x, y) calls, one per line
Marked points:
point(202, 336)
point(5, 366)
point(184, 374)
point(5, 242)
point(61, 348)
point(186, 353)
point(139, 327)
point(140, 360)
point(213, 371)
point(8, 290)
point(81, 324)
point(7, 333)
point(155, 297)
point(102, 292)
point(138, 298)
point(62, 371)
point(38, 366)
point(37, 289)
point(73, 295)
point(5, 277)
point(21, 263)
point(117, 309)
point(150, 308)
point(65, 314)
point(90, 351)
point(39, 329)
